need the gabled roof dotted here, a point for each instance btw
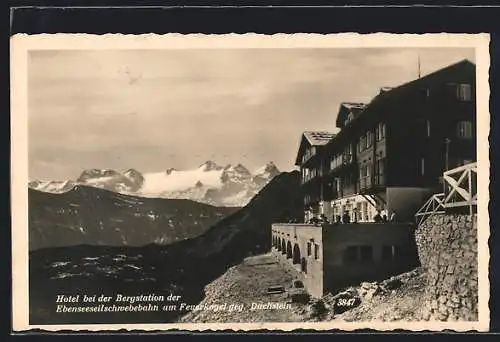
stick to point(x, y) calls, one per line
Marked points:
point(385, 89)
point(353, 105)
point(387, 93)
point(313, 138)
point(391, 92)
point(345, 108)
point(318, 138)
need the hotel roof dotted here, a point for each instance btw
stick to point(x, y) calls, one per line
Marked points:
point(318, 138)
point(313, 138)
point(353, 105)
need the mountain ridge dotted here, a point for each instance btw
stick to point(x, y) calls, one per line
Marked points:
point(94, 216)
point(209, 183)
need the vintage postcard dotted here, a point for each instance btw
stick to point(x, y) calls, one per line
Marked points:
point(247, 182)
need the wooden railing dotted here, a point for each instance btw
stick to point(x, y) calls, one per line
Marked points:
point(434, 205)
point(461, 187)
point(460, 191)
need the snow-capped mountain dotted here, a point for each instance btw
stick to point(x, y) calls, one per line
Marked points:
point(129, 181)
point(52, 186)
point(230, 186)
point(265, 173)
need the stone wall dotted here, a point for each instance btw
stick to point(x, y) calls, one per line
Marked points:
point(308, 266)
point(447, 247)
point(391, 250)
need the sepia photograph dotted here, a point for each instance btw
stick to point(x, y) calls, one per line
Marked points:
point(247, 181)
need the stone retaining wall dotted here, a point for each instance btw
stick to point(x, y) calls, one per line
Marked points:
point(447, 248)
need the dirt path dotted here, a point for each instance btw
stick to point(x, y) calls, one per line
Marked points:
point(239, 291)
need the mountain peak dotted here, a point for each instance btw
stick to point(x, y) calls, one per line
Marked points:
point(269, 168)
point(131, 172)
point(94, 173)
point(241, 169)
point(170, 170)
point(210, 165)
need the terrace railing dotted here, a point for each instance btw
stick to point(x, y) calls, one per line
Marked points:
point(460, 191)
point(461, 187)
point(434, 205)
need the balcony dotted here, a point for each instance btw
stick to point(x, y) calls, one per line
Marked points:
point(310, 177)
point(340, 162)
point(368, 184)
point(365, 183)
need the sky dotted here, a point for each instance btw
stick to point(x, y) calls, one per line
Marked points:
point(158, 109)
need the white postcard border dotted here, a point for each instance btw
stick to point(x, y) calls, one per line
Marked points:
point(21, 44)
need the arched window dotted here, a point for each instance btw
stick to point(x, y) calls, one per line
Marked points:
point(303, 265)
point(296, 254)
point(289, 253)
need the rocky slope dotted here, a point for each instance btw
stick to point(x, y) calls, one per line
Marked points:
point(398, 298)
point(245, 285)
point(88, 215)
point(210, 183)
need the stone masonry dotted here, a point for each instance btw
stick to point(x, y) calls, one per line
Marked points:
point(447, 247)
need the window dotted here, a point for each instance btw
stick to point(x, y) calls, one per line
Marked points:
point(428, 128)
point(357, 212)
point(365, 175)
point(387, 253)
point(380, 171)
point(347, 157)
point(464, 129)
point(337, 184)
point(362, 143)
point(366, 253)
point(316, 251)
point(308, 249)
point(351, 254)
point(464, 92)
point(380, 131)
point(347, 180)
point(422, 166)
point(354, 254)
point(365, 211)
point(369, 139)
point(390, 253)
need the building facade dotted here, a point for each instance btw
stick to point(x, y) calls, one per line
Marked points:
point(389, 155)
point(328, 257)
point(310, 158)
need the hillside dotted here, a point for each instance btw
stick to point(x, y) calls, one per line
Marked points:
point(183, 268)
point(88, 215)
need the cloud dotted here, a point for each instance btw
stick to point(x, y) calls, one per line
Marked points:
point(153, 109)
